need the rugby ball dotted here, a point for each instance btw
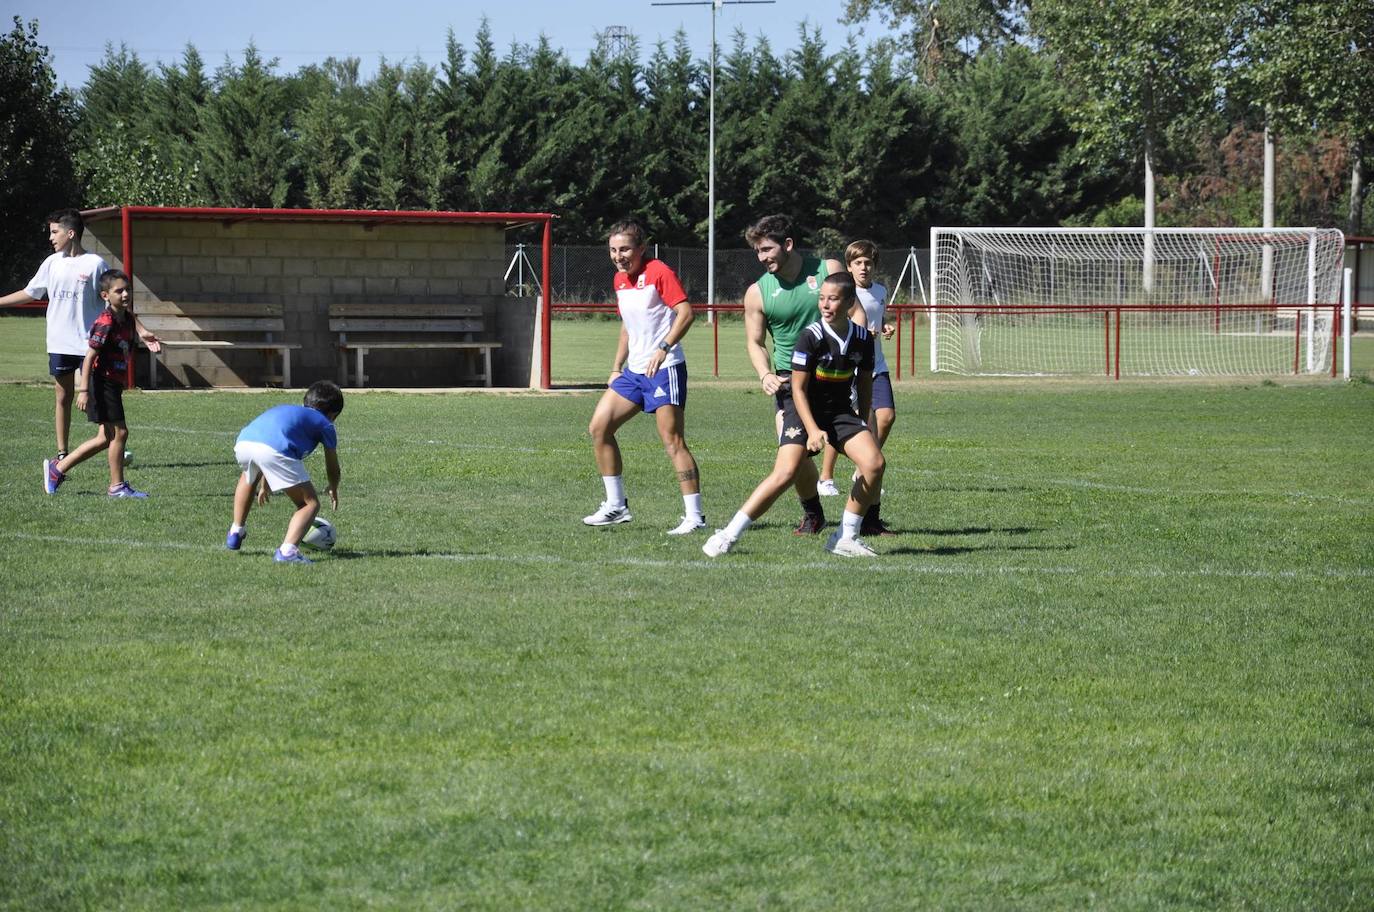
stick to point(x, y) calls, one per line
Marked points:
point(321, 535)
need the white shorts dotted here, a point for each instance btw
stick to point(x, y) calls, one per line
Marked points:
point(280, 470)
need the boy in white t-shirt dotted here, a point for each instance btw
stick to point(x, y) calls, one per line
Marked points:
point(70, 280)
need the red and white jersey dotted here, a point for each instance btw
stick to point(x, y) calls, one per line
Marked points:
point(646, 301)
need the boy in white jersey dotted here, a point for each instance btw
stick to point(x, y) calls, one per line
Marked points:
point(861, 258)
point(70, 280)
point(649, 374)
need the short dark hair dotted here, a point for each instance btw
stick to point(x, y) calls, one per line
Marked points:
point(110, 276)
point(845, 281)
point(69, 219)
point(632, 227)
point(324, 396)
point(861, 249)
point(776, 228)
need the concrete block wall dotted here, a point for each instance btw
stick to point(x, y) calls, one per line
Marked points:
point(307, 264)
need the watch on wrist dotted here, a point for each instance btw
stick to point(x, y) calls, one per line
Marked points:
point(664, 346)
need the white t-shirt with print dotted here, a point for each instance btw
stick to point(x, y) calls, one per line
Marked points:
point(72, 286)
point(874, 300)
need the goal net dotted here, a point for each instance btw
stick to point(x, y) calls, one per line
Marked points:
point(1127, 301)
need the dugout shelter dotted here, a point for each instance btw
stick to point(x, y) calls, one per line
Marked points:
point(250, 297)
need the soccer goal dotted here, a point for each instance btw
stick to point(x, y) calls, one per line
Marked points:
point(1132, 302)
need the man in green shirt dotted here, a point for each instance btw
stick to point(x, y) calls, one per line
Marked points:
point(780, 304)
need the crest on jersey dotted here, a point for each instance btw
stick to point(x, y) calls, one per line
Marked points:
point(640, 283)
point(811, 283)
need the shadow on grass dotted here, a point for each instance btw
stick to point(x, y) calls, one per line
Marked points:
point(183, 465)
point(974, 530)
point(397, 552)
point(954, 552)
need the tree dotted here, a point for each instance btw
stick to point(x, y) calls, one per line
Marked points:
point(788, 166)
point(37, 121)
point(672, 168)
point(1309, 66)
point(1020, 163)
point(328, 126)
point(404, 142)
point(942, 35)
point(121, 169)
point(246, 154)
point(118, 88)
point(1144, 75)
point(176, 110)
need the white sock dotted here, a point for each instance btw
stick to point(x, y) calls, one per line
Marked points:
point(738, 524)
point(691, 503)
point(849, 526)
point(615, 489)
point(237, 528)
point(288, 549)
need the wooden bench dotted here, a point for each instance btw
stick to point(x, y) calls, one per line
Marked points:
point(417, 325)
point(261, 322)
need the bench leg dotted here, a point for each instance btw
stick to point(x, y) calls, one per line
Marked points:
point(486, 357)
point(286, 368)
point(152, 369)
point(362, 377)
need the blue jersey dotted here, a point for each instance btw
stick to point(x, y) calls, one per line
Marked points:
point(292, 430)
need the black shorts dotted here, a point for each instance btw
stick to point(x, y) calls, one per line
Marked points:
point(104, 401)
point(64, 364)
point(793, 432)
point(840, 426)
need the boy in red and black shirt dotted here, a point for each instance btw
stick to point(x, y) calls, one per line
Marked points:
point(100, 389)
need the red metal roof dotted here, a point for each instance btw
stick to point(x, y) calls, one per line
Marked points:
point(358, 216)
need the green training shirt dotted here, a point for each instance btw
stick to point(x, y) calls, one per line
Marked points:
point(789, 307)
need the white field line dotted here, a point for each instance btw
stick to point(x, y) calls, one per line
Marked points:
point(736, 563)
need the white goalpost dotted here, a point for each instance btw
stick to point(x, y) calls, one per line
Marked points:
point(1218, 301)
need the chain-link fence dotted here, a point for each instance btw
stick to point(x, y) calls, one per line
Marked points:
point(582, 275)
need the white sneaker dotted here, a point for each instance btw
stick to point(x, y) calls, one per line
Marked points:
point(826, 488)
point(688, 524)
point(609, 514)
point(848, 547)
point(718, 544)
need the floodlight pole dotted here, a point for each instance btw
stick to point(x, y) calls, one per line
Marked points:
point(711, 144)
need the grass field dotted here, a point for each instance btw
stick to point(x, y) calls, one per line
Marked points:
point(1118, 657)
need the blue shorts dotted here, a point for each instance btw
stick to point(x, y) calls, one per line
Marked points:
point(882, 392)
point(64, 364)
point(667, 387)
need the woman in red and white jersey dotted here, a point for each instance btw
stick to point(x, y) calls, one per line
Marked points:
point(649, 374)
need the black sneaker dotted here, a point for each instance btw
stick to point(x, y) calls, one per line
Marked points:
point(876, 527)
point(811, 524)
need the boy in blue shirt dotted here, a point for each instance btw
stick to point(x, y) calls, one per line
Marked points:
point(271, 451)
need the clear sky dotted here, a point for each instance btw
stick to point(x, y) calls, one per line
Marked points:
point(298, 33)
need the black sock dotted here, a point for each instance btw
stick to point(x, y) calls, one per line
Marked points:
point(811, 506)
point(872, 515)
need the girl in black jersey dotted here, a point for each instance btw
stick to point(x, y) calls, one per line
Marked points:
point(830, 355)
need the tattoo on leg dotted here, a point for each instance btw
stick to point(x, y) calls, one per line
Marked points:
point(689, 475)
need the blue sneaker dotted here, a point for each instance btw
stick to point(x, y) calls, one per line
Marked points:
point(52, 478)
point(234, 540)
point(123, 490)
point(296, 558)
